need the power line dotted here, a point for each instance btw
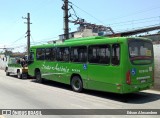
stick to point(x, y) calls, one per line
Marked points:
point(135, 13)
point(32, 39)
point(75, 13)
point(88, 13)
point(83, 24)
point(123, 30)
point(20, 46)
point(23, 36)
point(134, 20)
point(42, 40)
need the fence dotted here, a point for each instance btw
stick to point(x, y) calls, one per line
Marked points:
point(157, 66)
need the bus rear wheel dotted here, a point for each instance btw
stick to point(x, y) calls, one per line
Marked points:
point(76, 84)
point(38, 77)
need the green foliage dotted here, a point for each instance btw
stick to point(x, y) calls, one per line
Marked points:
point(8, 53)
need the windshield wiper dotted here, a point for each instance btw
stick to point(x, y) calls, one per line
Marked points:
point(141, 58)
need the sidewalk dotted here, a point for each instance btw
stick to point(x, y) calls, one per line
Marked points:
point(2, 116)
point(156, 87)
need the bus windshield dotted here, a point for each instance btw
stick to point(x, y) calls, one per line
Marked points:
point(140, 51)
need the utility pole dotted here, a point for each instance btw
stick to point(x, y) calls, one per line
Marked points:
point(66, 19)
point(28, 32)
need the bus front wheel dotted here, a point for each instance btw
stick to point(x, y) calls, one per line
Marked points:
point(76, 84)
point(38, 77)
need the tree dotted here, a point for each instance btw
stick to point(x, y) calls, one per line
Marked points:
point(7, 52)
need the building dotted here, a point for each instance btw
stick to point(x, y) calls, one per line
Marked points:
point(154, 37)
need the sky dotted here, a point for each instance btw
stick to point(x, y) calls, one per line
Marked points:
point(47, 18)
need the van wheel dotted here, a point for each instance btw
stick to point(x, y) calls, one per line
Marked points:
point(76, 84)
point(6, 69)
point(7, 73)
point(19, 75)
point(38, 77)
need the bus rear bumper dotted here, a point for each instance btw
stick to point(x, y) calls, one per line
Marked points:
point(136, 87)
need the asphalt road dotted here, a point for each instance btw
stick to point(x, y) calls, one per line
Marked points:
point(27, 94)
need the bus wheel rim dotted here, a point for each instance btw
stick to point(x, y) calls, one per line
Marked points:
point(76, 84)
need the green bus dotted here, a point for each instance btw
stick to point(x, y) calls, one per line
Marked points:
point(119, 64)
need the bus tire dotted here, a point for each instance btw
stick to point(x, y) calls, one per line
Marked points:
point(19, 75)
point(76, 84)
point(38, 77)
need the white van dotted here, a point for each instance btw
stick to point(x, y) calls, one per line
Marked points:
point(17, 66)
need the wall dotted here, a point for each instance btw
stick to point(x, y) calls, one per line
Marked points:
point(157, 66)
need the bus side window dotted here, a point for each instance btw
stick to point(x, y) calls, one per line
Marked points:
point(40, 54)
point(104, 53)
point(82, 54)
point(79, 54)
point(93, 55)
point(99, 54)
point(66, 54)
point(59, 54)
point(74, 54)
point(63, 54)
point(53, 54)
point(115, 54)
point(48, 54)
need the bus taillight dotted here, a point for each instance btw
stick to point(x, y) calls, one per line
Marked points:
point(128, 77)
